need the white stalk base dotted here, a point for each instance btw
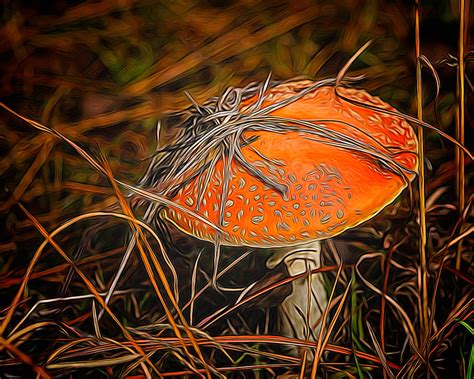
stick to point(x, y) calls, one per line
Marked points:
point(300, 313)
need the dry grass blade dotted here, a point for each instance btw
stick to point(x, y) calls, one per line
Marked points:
point(419, 122)
point(14, 336)
point(459, 158)
point(19, 293)
point(95, 280)
point(30, 174)
point(208, 285)
point(268, 339)
point(49, 239)
point(100, 169)
point(380, 352)
point(41, 372)
point(424, 316)
point(141, 239)
point(47, 301)
point(208, 321)
point(324, 335)
point(384, 291)
point(407, 325)
point(95, 363)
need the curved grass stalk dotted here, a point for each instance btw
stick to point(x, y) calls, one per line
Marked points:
point(424, 259)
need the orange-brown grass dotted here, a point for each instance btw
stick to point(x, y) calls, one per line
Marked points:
point(83, 88)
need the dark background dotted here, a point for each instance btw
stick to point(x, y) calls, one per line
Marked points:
point(104, 72)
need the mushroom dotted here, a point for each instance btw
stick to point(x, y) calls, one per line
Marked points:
point(293, 184)
point(285, 165)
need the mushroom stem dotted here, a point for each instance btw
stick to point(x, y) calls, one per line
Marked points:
point(301, 311)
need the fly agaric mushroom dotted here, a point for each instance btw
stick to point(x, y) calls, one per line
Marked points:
point(280, 166)
point(304, 165)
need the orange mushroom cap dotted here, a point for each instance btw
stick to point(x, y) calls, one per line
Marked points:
point(337, 162)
